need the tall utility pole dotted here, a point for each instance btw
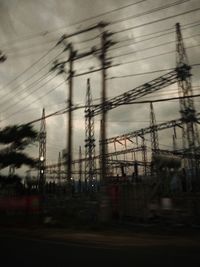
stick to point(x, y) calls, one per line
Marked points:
point(72, 54)
point(90, 167)
point(80, 169)
point(103, 100)
point(59, 169)
point(174, 138)
point(105, 44)
point(187, 109)
point(42, 153)
point(61, 69)
point(104, 201)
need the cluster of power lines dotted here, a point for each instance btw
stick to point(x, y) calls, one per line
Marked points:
point(37, 76)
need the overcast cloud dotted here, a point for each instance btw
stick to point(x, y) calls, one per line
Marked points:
point(29, 28)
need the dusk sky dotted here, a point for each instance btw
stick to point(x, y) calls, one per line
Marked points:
point(29, 29)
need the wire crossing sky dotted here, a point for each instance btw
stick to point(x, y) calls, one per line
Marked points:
point(144, 32)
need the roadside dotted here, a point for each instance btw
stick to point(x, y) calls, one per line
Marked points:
point(112, 236)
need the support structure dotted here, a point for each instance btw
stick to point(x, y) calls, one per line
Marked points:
point(142, 90)
point(174, 137)
point(147, 130)
point(73, 55)
point(154, 137)
point(144, 153)
point(90, 165)
point(187, 109)
point(42, 153)
point(80, 169)
point(59, 169)
point(154, 131)
point(105, 44)
point(108, 156)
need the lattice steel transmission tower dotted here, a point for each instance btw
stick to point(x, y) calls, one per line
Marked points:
point(144, 153)
point(187, 109)
point(42, 152)
point(80, 170)
point(154, 131)
point(59, 168)
point(90, 164)
point(154, 137)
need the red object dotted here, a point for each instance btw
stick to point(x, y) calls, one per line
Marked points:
point(114, 193)
point(20, 203)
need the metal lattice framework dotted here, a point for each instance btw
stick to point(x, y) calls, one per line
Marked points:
point(188, 121)
point(145, 89)
point(42, 151)
point(144, 152)
point(154, 135)
point(187, 108)
point(147, 130)
point(154, 131)
point(90, 165)
point(108, 155)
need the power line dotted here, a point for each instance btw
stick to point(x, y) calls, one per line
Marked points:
point(99, 69)
point(147, 39)
point(76, 107)
point(59, 112)
point(172, 91)
point(163, 94)
point(13, 47)
point(27, 69)
point(45, 33)
point(34, 101)
point(20, 54)
point(163, 32)
point(137, 50)
point(172, 4)
point(144, 73)
point(166, 32)
point(151, 47)
point(85, 40)
point(23, 98)
point(111, 11)
point(138, 74)
point(145, 58)
point(23, 89)
point(11, 51)
point(29, 78)
point(101, 14)
point(160, 100)
point(129, 62)
point(150, 11)
point(117, 47)
point(113, 48)
point(47, 106)
point(158, 20)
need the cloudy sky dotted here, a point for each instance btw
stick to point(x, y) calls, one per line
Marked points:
point(29, 30)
